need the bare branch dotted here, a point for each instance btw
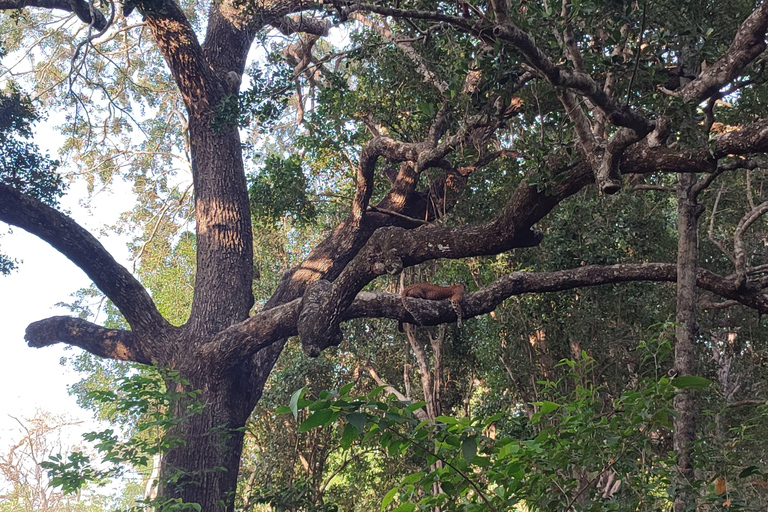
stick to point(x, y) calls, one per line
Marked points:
point(78, 7)
point(647, 186)
point(388, 305)
point(82, 248)
point(739, 249)
point(569, 38)
point(112, 343)
point(711, 231)
point(420, 413)
point(507, 31)
point(608, 175)
point(705, 304)
point(587, 139)
point(748, 140)
point(244, 339)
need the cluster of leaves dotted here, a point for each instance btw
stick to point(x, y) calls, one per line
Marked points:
point(22, 166)
point(263, 103)
point(586, 454)
point(144, 400)
point(279, 189)
point(299, 496)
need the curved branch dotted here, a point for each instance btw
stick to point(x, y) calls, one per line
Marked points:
point(750, 139)
point(288, 25)
point(112, 343)
point(237, 343)
point(200, 87)
point(557, 75)
point(85, 251)
point(739, 250)
point(383, 30)
point(748, 43)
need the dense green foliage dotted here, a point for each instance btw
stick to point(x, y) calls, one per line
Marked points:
point(22, 166)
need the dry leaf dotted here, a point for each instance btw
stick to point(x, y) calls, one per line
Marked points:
point(720, 485)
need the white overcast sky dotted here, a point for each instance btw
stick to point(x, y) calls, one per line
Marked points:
point(32, 379)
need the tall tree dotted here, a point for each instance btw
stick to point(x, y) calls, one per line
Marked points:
point(556, 96)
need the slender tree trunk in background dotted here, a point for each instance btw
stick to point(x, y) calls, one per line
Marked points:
point(431, 381)
point(684, 424)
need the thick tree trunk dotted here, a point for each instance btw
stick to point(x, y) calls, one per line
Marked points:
point(224, 238)
point(684, 424)
point(204, 468)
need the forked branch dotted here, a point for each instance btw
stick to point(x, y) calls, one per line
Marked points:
point(111, 343)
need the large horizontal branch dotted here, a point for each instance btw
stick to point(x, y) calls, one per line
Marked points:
point(85, 251)
point(112, 343)
point(267, 327)
point(750, 139)
point(429, 312)
point(239, 342)
point(78, 7)
point(305, 24)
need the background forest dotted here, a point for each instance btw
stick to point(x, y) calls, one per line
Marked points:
point(613, 353)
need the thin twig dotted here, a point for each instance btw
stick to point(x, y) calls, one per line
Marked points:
point(639, 51)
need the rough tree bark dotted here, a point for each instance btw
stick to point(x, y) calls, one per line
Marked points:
point(688, 212)
point(226, 351)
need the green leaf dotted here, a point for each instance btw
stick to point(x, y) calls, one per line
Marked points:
point(749, 471)
point(415, 406)
point(295, 397)
point(349, 436)
point(346, 388)
point(691, 382)
point(320, 418)
point(662, 418)
point(469, 449)
point(388, 498)
point(375, 391)
point(358, 420)
point(405, 507)
point(546, 407)
point(447, 420)
point(283, 409)
point(413, 477)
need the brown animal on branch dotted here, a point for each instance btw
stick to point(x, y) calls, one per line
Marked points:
point(453, 293)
